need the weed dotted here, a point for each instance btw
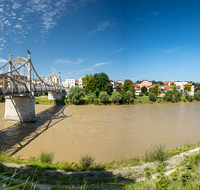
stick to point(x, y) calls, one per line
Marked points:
point(156, 153)
point(86, 161)
point(46, 156)
point(148, 173)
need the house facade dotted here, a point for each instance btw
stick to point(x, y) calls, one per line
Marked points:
point(70, 82)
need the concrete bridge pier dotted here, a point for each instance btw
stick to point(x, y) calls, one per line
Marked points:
point(20, 108)
point(55, 95)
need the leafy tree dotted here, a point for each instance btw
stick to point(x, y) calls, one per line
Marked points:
point(144, 89)
point(152, 97)
point(197, 87)
point(155, 90)
point(188, 88)
point(116, 97)
point(97, 92)
point(103, 82)
point(91, 85)
point(86, 79)
point(118, 88)
point(104, 97)
point(197, 95)
point(132, 89)
point(127, 84)
point(174, 89)
point(128, 97)
point(76, 94)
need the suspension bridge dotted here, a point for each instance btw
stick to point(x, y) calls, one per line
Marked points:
point(19, 81)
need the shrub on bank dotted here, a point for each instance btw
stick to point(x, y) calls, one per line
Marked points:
point(141, 94)
point(104, 97)
point(46, 156)
point(156, 153)
point(152, 97)
point(91, 97)
point(177, 96)
point(197, 95)
point(128, 97)
point(76, 94)
point(86, 161)
point(186, 93)
point(116, 97)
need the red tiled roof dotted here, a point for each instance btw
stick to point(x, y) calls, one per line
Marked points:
point(166, 83)
point(136, 85)
point(167, 87)
point(188, 84)
point(77, 81)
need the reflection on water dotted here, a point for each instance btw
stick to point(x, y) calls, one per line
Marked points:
point(104, 131)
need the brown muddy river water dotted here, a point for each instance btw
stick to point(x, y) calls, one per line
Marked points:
point(106, 132)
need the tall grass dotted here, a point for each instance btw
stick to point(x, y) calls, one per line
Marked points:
point(156, 153)
point(46, 156)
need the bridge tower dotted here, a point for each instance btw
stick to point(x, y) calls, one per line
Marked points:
point(20, 108)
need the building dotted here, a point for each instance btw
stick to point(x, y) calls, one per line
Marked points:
point(70, 82)
point(147, 84)
point(137, 89)
point(81, 82)
point(191, 92)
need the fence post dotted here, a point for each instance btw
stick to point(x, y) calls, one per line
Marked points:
point(10, 85)
point(29, 75)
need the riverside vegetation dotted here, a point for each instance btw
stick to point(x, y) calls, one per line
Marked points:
point(186, 176)
point(80, 98)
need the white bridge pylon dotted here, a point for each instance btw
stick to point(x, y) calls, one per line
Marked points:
point(19, 82)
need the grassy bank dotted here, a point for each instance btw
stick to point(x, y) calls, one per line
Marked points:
point(85, 101)
point(180, 178)
point(87, 162)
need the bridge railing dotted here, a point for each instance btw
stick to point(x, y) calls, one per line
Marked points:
point(22, 78)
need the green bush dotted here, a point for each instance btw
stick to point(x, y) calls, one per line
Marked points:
point(197, 95)
point(177, 96)
point(46, 156)
point(186, 94)
point(152, 97)
point(116, 97)
point(86, 161)
point(96, 102)
point(146, 93)
point(104, 97)
point(91, 97)
point(190, 98)
point(169, 95)
point(128, 97)
point(141, 94)
point(156, 153)
point(76, 94)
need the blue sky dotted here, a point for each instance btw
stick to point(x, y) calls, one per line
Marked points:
point(126, 39)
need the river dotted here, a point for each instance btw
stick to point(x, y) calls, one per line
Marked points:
point(106, 132)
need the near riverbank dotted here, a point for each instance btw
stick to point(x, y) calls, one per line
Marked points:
point(164, 171)
point(138, 100)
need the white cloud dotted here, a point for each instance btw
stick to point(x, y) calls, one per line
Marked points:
point(2, 61)
point(103, 25)
point(65, 61)
point(96, 65)
point(153, 13)
point(121, 49)
point(99, 64)
point(39, 15)
point(173, 50)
